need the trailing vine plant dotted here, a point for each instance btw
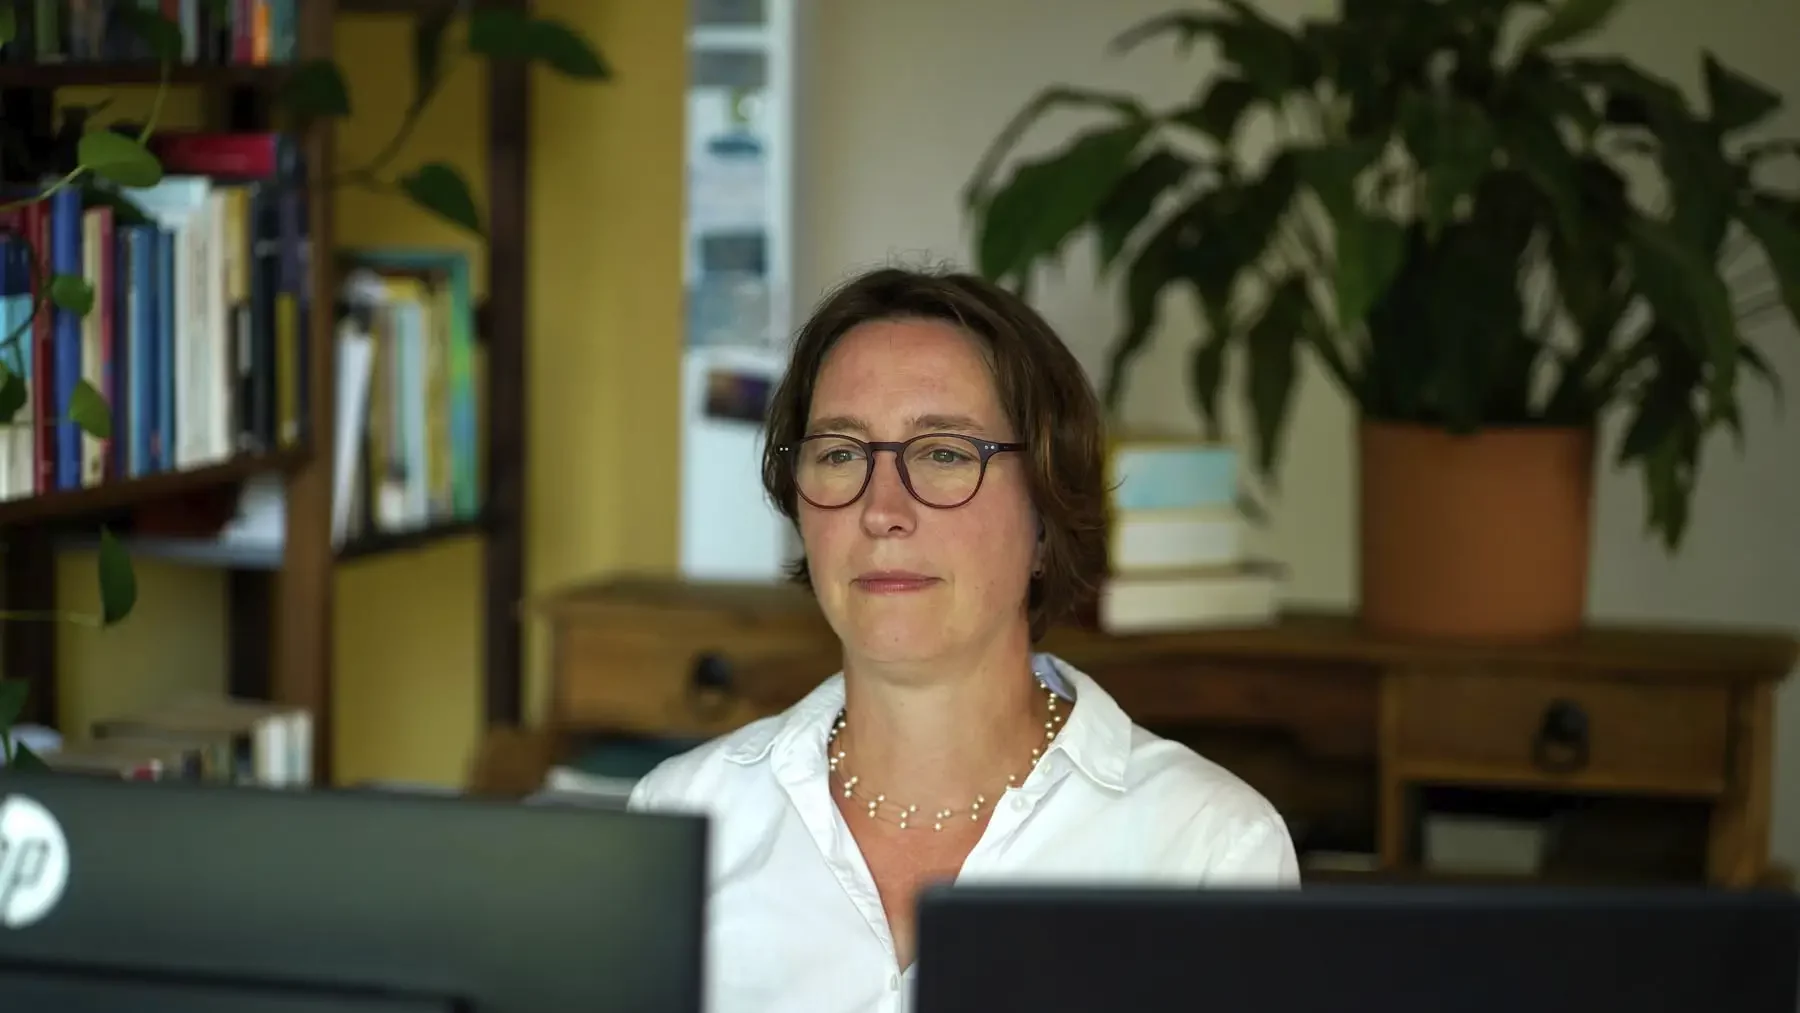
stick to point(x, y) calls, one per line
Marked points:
point(110, 162)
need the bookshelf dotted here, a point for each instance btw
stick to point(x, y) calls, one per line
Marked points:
point(280, 633)
point(73, 75)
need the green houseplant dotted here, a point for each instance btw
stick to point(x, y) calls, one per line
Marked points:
point(111, 162)
point(1478, 240)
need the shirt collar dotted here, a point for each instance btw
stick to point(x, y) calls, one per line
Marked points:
point(1096, 738)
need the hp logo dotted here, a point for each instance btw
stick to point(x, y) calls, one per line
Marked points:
point(34, 862)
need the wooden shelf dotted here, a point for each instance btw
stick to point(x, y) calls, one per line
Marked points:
point(413, 7)
point(257, 555)
point(79, 75)
point(212, 553)
point(386, 543)
point(75, 503)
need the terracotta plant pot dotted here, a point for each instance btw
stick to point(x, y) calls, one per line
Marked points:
point(1475, 538)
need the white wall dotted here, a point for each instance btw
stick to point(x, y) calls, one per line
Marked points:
point(900, 98)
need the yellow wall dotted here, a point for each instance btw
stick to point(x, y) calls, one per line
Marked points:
point(408, 625)
point(605, 290)
point(606, 297)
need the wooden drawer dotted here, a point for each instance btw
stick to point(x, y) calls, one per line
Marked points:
point(692, 673)
point(1509, 729)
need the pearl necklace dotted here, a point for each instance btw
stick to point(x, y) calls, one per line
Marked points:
point(906, 815)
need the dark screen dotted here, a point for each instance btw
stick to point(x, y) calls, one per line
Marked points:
point(40, 992)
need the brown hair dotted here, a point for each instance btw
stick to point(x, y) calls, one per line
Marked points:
point(1043, 390)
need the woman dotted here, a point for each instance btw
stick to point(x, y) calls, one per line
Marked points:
point(941, 453)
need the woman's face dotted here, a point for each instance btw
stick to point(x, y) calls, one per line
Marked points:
point(898, 580)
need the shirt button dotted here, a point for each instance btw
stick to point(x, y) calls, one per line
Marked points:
point(893, 983)
point(1021, 803)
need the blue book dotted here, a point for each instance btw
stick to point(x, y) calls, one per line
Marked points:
point(65, 334)
point(1172, 475)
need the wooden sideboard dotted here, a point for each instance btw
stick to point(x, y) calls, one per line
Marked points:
point(1658, 740)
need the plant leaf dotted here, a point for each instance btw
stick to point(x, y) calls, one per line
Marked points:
point(505, 33)
point(1623, 80)
point(1219, 113)
point(1133, 197)
point(1688, 296)
point(1048, 199)
point(1760, 366)
point(428, 51)
point(12, 394)
point(1542, 87)
point(1239, 223)
point(1400, 353)
point(1263, 52)
point(440, 189)
point(1666, 398)
point(125, 210)
point(1157, 265)
point(1473, 317)
point(1536, 146)
point(555, 45)
point(119, 159)
point(118, 584)
point(73, 293)
point(1187, 27)
point(1252, 510)
point(1206, 370)
point(1670, 469)
point(1736, 101)
point(9, 30)
point(1571, 21)
point(89, 410)
point(157, 32)
point(500, 33)
point(1453, 142)
point(24, 759)
point(1271, 367)
point(316, 90)
point(1780, 241)
point(1649, 425)
point(12, 700)
point(1369, 254)
point(976, 192)
point(1701, 183)
point(1332, 171)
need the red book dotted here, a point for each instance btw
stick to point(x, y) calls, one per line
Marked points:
point(196, 153)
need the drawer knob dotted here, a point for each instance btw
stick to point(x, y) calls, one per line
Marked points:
point(709, 691)
point(1561, 743)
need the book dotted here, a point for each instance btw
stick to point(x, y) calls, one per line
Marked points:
point(1155, 541)
point(1246, 594)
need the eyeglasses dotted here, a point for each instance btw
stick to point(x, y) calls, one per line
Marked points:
point(940, 470)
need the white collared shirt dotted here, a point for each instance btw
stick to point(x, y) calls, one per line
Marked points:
point(794, 918)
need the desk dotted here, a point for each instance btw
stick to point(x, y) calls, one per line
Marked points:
point(1364, 726)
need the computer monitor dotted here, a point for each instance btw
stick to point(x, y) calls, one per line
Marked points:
point(180, 897)
point(1397, 949)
